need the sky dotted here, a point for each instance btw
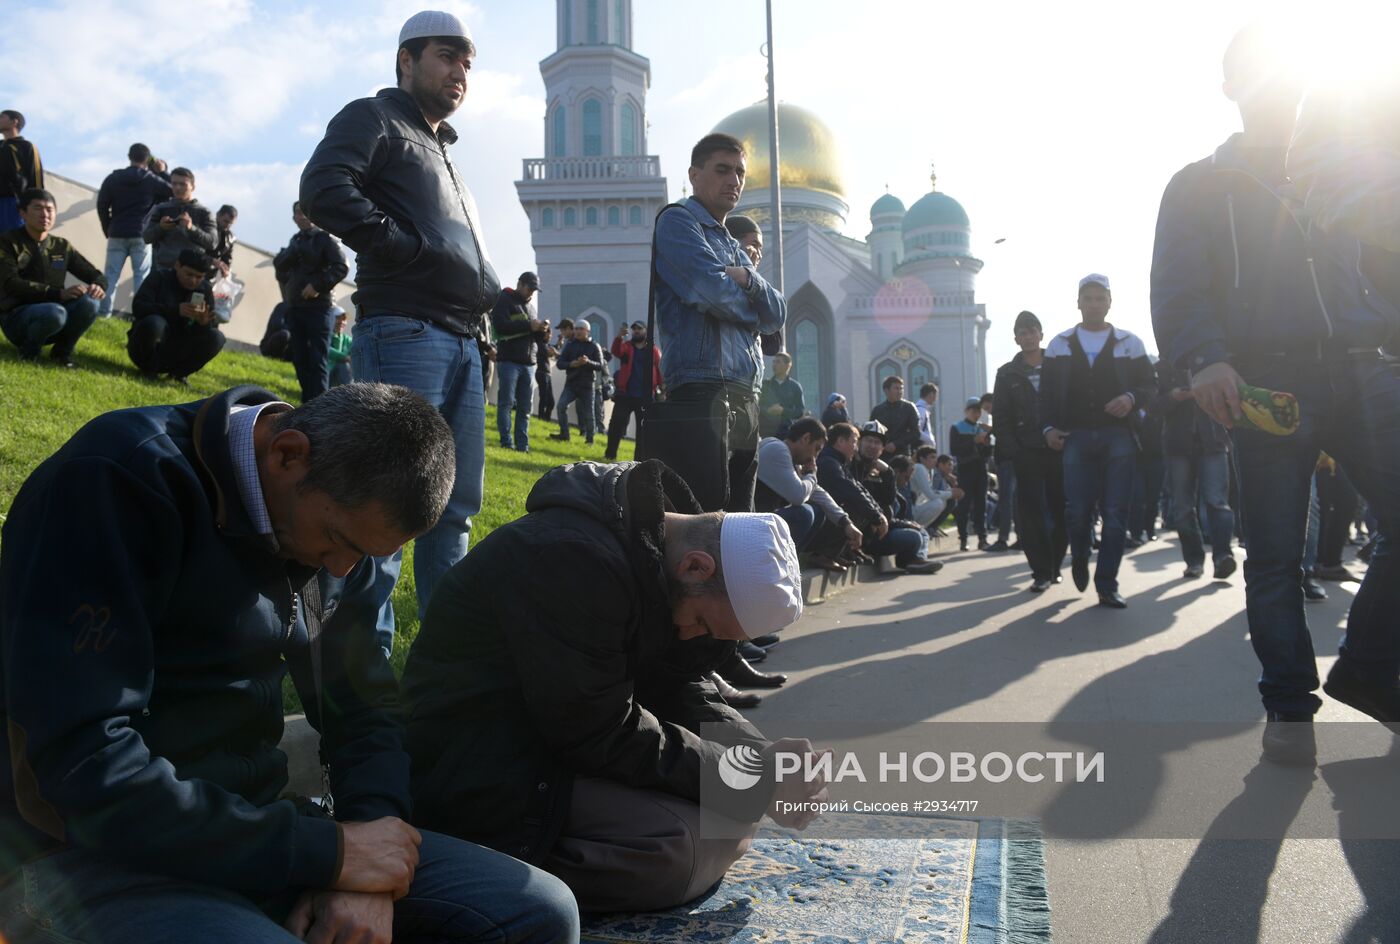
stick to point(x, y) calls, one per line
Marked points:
point(1057, 126)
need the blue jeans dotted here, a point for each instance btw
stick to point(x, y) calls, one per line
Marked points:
point(1209, 477)
point(9, 214)
point(1314, 528)
point(119, 249)
point(513, 394)
point(30, 327)
point(906, 544)
point(310, 344)
point(801, 521)
point(444, 368)
point(460, 892)
point(584, 408)
point(1006, 499)
point(340, 373)
point(1100, 465)
point(1350, 410)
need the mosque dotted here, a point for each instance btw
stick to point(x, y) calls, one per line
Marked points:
point(901, 302)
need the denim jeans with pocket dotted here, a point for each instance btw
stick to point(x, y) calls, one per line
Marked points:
point(1100, 465)
point(1206, 477)
point(120, 249)
point(513, 395)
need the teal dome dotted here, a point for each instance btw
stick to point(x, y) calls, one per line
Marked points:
point(935, 209)
point(887, 204)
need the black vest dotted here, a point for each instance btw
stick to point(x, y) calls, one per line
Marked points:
point(1091, 387)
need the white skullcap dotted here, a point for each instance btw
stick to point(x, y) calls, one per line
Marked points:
point(432, 23)
point(761, 576)
point(1094, 278)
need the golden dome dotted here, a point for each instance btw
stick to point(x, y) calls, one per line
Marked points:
point(810, 158)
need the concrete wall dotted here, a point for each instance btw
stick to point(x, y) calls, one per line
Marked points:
point(77, 223)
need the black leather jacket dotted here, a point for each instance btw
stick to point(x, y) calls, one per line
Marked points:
point(1016, 406)
point(382, 182)
point(311, 258)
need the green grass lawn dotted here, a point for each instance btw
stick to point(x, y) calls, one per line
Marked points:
point(43, 406)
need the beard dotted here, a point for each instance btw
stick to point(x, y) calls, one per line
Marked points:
point(432, 97)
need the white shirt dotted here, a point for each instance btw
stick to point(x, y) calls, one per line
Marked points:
point(1092, 341)
point(925, 422)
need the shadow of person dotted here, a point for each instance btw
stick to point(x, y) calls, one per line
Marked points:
point(1221, 895)
point(1364, 793)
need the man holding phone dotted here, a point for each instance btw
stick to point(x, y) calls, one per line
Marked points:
point(175, 331)
point(179, 223)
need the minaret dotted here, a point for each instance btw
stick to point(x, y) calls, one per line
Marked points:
point(592, 198)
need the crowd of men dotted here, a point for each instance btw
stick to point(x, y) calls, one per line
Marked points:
point(544, 752)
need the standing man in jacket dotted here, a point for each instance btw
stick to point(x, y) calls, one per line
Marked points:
point(36, 307)
point(970, 444)
point(20, 168)
point(578, 730)
point(1040, 482)
point(142, 791)
point(582, 360)
point(900, 419)
point(308, 269)
point(515, 333)
point(711, 307)
point(1198, 464)
point(928, 419)
point(123, 201)
point(179, 223)
point(383, 182)
point(1095, 378)
point(1246, 290)
point(633, 391)
point(780, 401)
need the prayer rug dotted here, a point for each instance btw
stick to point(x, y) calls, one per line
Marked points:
point(959, 881)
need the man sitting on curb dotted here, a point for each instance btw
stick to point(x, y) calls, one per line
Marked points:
point(906, 540)
point(565, 728)
point(36, 307)
point(162, 571)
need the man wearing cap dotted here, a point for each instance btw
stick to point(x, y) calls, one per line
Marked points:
point(1095, 377)
point(382, 181)
point(308, 269)
point(515, 330)
point(633, 391)
point(1040, 483)
point(556, 692)
point(173, 332)
point(906, 539)
point(1246, 290)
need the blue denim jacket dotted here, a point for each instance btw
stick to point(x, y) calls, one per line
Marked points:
point(709, 325)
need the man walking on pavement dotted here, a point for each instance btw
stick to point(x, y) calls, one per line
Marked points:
point(383, 182)
point(1095, 376)
point(1244, 290)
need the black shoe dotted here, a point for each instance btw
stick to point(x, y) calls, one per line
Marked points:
point(62, 358)
point(1015, 545)
point(1133, 544)
point(732, 696)
point(609, 458)
point(737, 671)
point(1059, 578)
point(962, 544)
point(998, 547)
point(1335, 572)
point(1079, 569)
point(1040, 585)
point(1313, 591)
point(1113, 600)
point(823, 562)
point(182, 381)
point(1194, 572)
point(923, 567)
point(1364, 555)
point(29, 353)
point(522, 448)
point(1152, 535)
point(982, 545)
point(1224, 568)
point(588, 441)
point(559, 437)
point(1379, 700)
point(766, 641)
point(860, 557)
point(751, 652)
point(1289, 740)
point(506, 445)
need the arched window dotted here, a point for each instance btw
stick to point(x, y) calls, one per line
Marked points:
point(560, 134)
point(920, 373)
point(592, 22)
point(614, 216)
point(634, 216)
point(592, 128)
point(806, 339)
point(629, 130)
point(886, 368)
point(570, 217)
point(601, 332)
point(590, 216)
point(547, 218)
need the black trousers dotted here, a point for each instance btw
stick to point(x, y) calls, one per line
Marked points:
point(157, 346)
point(624, 407)
point(1040, 509)
point(728, 486)
point(310, 347)
point(972, 479)
point(1337, 500)
point(544, 384)
point(276, 337)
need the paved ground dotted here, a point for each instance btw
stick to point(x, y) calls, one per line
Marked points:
point(971, 644)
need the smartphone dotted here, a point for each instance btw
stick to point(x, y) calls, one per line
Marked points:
point(197, 300)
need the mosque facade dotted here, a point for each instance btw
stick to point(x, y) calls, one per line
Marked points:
point(902, 302)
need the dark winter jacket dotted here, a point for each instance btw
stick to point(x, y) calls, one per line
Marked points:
point(162, 294)
point(510, 320)
point(1189, 431)
point(126, 196)
point(314, 258)
point(879, 482)
point(1236, 269)
point(580, 379)
point(203, 233)
point(20, 167)
point(30, 272)
point(834, 475)
point(1016, 406)
point(784, 393)
point(141, 666)
point(901, 420)
point(549, 653)
point(831, 416)
point(963, 445)
point(1121, 367)
point(381, 180)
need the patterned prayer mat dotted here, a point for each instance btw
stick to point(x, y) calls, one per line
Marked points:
point(958, 881)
